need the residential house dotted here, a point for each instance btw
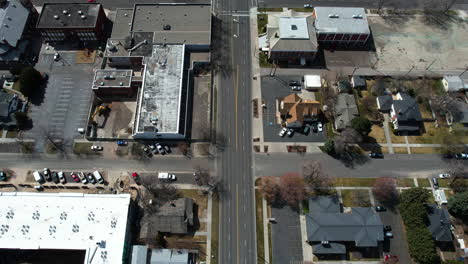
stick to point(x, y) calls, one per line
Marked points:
point(384, 103)
point(331, 232)
point(341, 26)
point(296, 112)
point(439, 223)
point(9, 104)
point(175, 217)
point(17, 21)
point(405, 114)
point(453, 83)
point(291, 38)
point(345, 111)
point(80, 22)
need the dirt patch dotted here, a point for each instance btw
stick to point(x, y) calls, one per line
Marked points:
point(85, 56)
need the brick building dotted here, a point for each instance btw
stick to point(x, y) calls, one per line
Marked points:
point(72, 21)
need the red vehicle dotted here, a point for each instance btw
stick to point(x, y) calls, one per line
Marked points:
point(134, 175)
point(75, 177)
point(91, 1)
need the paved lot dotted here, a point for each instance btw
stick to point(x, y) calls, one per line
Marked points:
point(396, 245)
point(278, 87)
point(66, 101)
point(286, 236)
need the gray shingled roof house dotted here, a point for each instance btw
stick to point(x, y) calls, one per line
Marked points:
point(405, 114)
point(345, 111)
point(384, 103)
point(329, 230)
point(173, 217)
point(439, 223)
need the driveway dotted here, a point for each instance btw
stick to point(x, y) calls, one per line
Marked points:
point(286, 236)
point(396, 245)
point(66, 101)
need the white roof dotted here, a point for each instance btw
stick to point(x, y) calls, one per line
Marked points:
point(440, 196)
point(312, 81)
point(72, 221)
point(293, 28)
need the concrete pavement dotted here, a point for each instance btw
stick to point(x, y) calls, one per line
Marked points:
point(387, 132)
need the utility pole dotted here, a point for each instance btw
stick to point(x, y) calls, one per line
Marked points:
point(466, 69)
point(412, 67)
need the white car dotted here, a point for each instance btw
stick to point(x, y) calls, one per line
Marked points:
point(164, 176)
point(61, 177)
point(160, 149)
point(96, 148)
point(283, 132)
point(320, 126)
point(444, 175)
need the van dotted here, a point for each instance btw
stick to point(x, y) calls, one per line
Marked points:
point(98, 177)
point(38, 177)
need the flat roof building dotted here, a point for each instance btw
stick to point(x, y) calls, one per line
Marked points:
point(93, 223)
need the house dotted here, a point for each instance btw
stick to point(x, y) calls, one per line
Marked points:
point(439, 223)
point(454, 83)
point(175, 217)
point(358, 82)
point(384, 103)
point(77, 22)
point(331, 232)
point(17, 20)
point(405, 114)
point(291, 38)
point(345, 111)
point(9, 104)
point(295, 111)
point(341, 26)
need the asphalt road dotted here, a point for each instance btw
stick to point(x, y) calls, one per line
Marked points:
point(237, 216)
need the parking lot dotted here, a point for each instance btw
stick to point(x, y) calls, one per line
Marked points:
point(286, 236)
point(272, 89)
point(397, 245)
point(66, 101)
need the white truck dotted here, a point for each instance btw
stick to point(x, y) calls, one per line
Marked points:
point(165, 176)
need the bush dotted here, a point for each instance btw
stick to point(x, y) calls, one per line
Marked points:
point(458, 205)
point(422, 246)
point(30, 80)
point(329, 147)
point(361, 125)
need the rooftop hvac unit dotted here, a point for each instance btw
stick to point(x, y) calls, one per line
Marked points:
point(56, 17)
point(65, 12)
point(83, 17)
point(121, 83)
point(357, 16)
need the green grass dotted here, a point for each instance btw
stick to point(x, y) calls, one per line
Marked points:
point(405, 182)
point(424, 182)
point(329, 128)
point(349, 198)
point(51, 148)
point(264, 63)
point(83, 148)
point(214, 229)
point(354, 182)
point(270, 9)
point(302, 9)
point(305, 206)
point(262, 21)
point(259, 224)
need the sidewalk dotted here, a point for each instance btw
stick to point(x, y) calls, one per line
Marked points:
point(387, 134)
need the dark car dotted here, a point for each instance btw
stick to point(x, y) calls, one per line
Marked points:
point(55, 177)
point(387, 228)
point(306, 130)
point(122, 143)
point(91, 178)
point(294, 83)
point(375, 155)
point(435, 183)
point(380, 208)
point(3, 176)
point(47, 174)
point(167, 149)
point(314, 127)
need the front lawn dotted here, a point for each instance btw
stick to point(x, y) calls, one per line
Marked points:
point(355, 198)
point(439, 135)
point(214, 229)
point(259, 224)
point(378, 134)
point(405, 182)
point(262, 21)
point(423, 182)
point(354, 182)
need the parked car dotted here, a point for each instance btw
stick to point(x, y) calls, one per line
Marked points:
point(295, 85)
point(97, 175)
point(167, 149)
point(96, 148)
point(160, 149)
point(75, 177)
point(164, 176)
point(387, 228)
point(55, 177)
point(283, 132)
point(444, 175)
point(90, 178)
point(314, 127)
point(435, 183)
point(320, 126)
point(290, 132)
point(3, 176)
point(62, 177)
point(375, 155)
point(308, 6)
point(306, 130)
point(122, 143)
point(147, 151)
point(380, 208)
point(56, 56)
point(38, 177)
point(461, 156)
point(83, 178)
point(134, 175)
point(389, 234)
point(47, 174)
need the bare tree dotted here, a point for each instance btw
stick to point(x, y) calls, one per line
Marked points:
point(155, 194)
point(314, 175)
point(184, 148)
point(203, 178)
point(329, 97)
point(380, 4)
point(449, 4)
point(348, 136)
point(385, 190)
point(369, 107)
point(220, 142)
point(269, 188)
point(446, 105)
point(457, 174)
point(292, 188)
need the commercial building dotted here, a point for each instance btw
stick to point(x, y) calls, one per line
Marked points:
point(17, 23)
point(92, 227)
point(291, 38)
point(72, 21)
point(341, 26)
point(296, 112)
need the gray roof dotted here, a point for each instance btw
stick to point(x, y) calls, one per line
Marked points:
point(462, 115)
point(385, 102)
point(13, 18)
point(439, 223)
point(71, 18)
point(324, 204)
point(122, 23)
point(345, 111)
point(358, 81)
point(362, 226)
point(189, 23)
point(341, 20)
point(280, 38)
point(170, 256)
point(407, 112)
point(330, 248)
point(139, 254)
point(112, 78)
point(455, 83)
point(173, 217)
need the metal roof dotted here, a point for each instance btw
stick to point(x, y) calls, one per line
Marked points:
point(341, 20)
point(13, 18)
point(69, 15)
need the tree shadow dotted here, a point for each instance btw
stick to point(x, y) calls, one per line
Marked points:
point(351, 159)
point(37, 95)
point(441, 19)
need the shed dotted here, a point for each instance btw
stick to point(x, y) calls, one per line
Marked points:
point(312, 82)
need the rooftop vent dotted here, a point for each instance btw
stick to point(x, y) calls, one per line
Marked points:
point(83, 17)
point(80, 12)
point(56, 17)
point(121, 83)
point(333, 16)
point(65, 12)
point(293, 27)
point(125, 15)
